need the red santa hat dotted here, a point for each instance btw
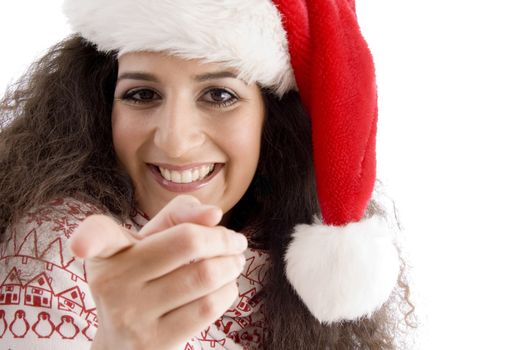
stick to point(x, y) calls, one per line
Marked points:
point(344, 266)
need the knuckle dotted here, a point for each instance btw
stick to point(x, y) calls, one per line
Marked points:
point(225, 238)
point(209, 306)
point(189, 239)
point(207, 274)
point(216, 303)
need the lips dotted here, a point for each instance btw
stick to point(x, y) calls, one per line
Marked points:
point(184, 179)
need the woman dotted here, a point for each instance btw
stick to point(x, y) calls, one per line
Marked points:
point(170, 121)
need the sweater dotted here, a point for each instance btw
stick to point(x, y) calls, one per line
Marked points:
point(45, 300)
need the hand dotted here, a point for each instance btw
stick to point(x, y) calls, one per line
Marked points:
point(148, 295)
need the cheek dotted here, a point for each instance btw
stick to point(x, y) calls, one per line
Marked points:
point(241, 143)
point(245, 141)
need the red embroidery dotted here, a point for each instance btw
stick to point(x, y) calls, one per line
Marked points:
point(3, 323)
point(67, 327)
point(221, 325)
point(63, 225)
point(39, 216)
point(53, 254)
point(43, 328)
point(11, 288)
point(89, 331)
point(44, 292)
point(207, 339)
point(19, 326)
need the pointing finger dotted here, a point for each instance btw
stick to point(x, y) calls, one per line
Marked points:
point(99, 237)
point(183, 209)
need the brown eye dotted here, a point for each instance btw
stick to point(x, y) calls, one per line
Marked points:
point(220, 97)
point(141, 96)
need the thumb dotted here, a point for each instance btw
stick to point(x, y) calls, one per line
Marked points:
point(183, 208)
point(98, 236)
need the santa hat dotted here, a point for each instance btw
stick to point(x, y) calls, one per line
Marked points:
point(344, 266)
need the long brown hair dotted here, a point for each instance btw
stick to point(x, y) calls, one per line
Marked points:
point(55, 140)
point(56, 133)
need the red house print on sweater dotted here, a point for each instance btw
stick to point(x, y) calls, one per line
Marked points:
point(11, 289)
point(71, 300)
point(39, 292)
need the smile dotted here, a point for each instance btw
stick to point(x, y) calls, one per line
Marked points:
point(186, 178)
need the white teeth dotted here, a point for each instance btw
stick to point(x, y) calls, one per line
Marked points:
point(195, 174)
point(187, 176)
point(174, 176)
point(203, 171)
point(163, 172)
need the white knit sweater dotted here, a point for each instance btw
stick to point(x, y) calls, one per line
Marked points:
point(45, 301)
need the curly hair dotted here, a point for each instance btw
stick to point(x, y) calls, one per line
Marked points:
point(56, 141)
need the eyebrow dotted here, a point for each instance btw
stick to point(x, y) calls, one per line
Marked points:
point(215, 75)
point(199, 77)
point(138, 76)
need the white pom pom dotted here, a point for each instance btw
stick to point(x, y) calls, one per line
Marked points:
point(343, 273)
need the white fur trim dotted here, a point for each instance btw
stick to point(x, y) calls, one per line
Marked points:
point(246, 35)
point(343, 273)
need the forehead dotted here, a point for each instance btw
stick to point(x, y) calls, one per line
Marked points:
point(158, 61)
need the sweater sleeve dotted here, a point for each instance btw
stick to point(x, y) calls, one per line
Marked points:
point(45, 301)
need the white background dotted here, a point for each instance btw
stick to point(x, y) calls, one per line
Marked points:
point(451, 142)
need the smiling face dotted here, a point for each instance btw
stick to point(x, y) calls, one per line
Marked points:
point(183, 126)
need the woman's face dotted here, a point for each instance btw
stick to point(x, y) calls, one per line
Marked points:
point(183, 126)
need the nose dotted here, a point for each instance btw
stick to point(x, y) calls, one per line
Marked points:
point(179, 128)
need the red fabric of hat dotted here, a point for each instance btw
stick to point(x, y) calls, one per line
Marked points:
point(335, 75)
point(345, 267)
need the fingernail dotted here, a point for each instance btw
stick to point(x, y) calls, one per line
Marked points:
point(210, 206)
point(241, 241)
